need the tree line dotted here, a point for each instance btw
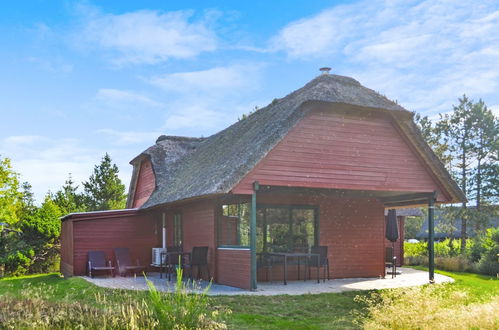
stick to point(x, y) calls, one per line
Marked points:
point(29, 234)
point(466, 141)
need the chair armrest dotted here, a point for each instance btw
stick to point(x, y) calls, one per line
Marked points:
point(89, 265)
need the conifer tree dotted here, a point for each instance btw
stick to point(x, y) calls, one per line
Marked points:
point(104, 189)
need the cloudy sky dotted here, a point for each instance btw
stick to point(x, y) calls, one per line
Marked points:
point(78, 79)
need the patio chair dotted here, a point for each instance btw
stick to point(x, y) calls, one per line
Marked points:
point(97, 262)
point(321, 261)
point(265, 261)
point(198, 259)
point(173, 259)
point(124, 262)
point(391, 261)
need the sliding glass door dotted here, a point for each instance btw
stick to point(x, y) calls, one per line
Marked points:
point(286, 228)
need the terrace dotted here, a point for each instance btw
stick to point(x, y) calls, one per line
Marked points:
point(410, 277)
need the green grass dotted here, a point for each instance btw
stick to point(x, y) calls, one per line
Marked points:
point(480, 287)
point(321, 311)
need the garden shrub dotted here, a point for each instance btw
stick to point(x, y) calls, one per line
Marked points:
point(488, 263)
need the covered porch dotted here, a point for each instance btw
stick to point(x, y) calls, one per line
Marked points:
point(277, 221)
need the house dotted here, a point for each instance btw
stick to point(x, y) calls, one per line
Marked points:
point(316, 167)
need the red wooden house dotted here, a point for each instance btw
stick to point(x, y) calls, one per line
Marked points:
point(317, 167)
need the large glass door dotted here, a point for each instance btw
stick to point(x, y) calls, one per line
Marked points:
point(286, 228)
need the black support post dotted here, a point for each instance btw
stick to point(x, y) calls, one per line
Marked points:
point(256, 186)
point(431, 237)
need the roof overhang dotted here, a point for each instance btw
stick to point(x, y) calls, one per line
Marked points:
point(99, 214)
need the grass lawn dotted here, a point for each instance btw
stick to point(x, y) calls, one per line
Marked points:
point(321, 311)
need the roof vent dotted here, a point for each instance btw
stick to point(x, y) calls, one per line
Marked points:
point(325, 70)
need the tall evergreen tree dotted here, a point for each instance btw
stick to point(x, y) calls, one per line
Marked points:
point(485, 138)
point(104, 189)
point(68, 199)
point(433, 135)
point(458, 129)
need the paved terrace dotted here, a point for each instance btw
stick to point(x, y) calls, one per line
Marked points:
point(409, 277)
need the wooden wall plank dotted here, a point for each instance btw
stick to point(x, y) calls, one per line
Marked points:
point(342, 151)
point(146, 183)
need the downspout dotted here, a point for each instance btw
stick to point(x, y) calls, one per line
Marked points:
point(164, 231)
point(431, 237)
point(253, 279)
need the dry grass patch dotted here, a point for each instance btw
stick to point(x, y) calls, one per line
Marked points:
point(428, 307)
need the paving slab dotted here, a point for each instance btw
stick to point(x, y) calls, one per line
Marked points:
point(408, 277)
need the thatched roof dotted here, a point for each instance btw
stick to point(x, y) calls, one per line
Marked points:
point(188, 167)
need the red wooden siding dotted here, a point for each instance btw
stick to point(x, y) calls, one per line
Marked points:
point(139, 233)
point(145, 184)
point(342, 151)
point(199, 229)
point(399, 244)
point(67, 248)
point(353, 230)
point(234, 267)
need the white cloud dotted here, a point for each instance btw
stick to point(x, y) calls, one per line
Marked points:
point(206, 100)
point(194, 116)
point(218, 79)
point(147, 36)
point(116, 97)
point(425, 53)
point(129, 137)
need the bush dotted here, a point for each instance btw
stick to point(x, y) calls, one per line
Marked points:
point(447, 255)
point(428, 307)
point(489, 263)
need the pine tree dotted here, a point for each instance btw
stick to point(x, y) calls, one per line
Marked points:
point(458, 130)
point(433, 135)
point(68, 199)
point(104, 189)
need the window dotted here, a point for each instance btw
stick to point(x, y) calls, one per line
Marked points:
point(177, 230)
point(234, 225)
point(286, 228)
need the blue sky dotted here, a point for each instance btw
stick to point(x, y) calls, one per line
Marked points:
point(79, 79)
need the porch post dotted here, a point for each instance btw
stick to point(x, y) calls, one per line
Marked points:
point(256, 186)
point(431, 237)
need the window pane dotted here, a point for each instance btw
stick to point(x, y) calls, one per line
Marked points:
point(278, 229)
point(233, 225)
point(303, 229)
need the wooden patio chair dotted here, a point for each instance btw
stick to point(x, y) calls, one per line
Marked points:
point(125, 264)
point(198, 258)
point(97, 262)
point(321, 261)
point(391, 261)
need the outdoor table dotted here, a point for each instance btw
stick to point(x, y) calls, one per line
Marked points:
point(298, 255)
point(165, 257)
